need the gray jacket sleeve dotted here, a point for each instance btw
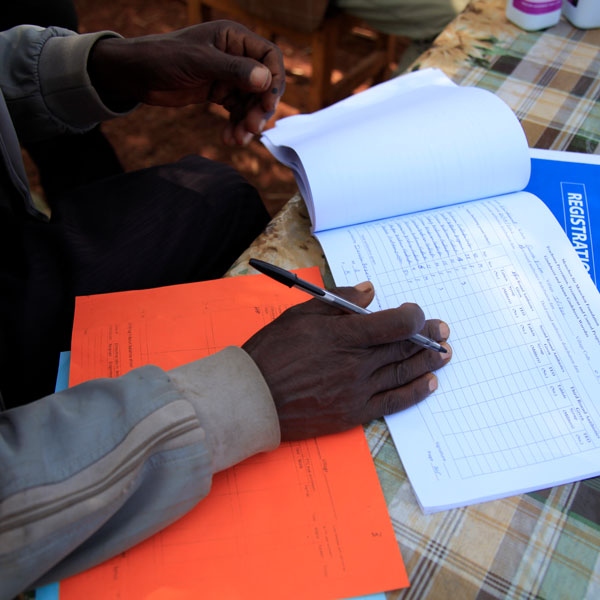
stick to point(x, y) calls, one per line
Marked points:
point(93, 470)
point(45, 82)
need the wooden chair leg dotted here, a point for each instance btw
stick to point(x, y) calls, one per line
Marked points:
point(389, 49)
point(193, 7)
point(205, 12)
point(323, 44)
point(198, 12)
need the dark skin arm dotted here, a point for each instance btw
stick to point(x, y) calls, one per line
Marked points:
point(327, 371)
point(330, 371)
point(219, 61)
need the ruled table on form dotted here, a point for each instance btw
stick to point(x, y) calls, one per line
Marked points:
point(516, 393)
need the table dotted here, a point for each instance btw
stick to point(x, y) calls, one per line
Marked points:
point(539, 545)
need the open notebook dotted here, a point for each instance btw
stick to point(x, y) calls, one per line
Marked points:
point(415, 185)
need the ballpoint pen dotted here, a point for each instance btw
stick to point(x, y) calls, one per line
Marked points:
point(292, 280)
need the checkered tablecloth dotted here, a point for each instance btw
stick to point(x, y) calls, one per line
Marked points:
point(540, 545)
point(550, 79)
point(545, 544)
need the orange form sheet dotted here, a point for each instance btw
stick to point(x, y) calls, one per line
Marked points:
point(307, 520)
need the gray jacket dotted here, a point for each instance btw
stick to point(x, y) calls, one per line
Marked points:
point(93, 470)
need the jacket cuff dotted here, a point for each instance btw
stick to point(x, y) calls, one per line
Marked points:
point(65, 83)
point(233, 403)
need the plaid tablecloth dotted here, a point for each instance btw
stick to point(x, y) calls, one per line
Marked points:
point(540, 545)
point(550, 79)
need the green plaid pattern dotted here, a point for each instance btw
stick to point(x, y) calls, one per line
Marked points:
point(550, 81)
point(540, 545)
point(545, 544)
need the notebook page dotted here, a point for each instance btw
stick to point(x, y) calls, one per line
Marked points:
point(434, 145)
point(281, 139)
point(291, 130)
point(517, 408)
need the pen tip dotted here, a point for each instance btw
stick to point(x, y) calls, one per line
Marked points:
point(443, 350)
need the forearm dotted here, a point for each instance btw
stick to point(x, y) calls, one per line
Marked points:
point(94, 470)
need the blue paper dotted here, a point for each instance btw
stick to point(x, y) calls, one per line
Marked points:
point(62, 377)
point(51, 592)
point(571, 190)
point(48, 592)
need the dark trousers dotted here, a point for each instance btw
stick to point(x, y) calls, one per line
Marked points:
point(176, 223)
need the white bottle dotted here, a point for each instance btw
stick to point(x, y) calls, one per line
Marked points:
point(584, 14)
point(532, 15)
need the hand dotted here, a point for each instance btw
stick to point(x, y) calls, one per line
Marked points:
point(218, 61)
point(329, 371)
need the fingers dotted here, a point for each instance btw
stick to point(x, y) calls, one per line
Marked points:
point(241, 42)
point(273, 60)
point(254, 67)
point(410, 380)
point(242, 128)
point(436, 329)
point(379, 328)
point(246, 118)
point(242, 72)
point(398, 399)
point(252, 123)
point(251, 62)
point(400, 373)
point(388, 326)
point(389, 353)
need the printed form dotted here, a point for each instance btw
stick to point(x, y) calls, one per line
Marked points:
point(517, 408)
point(307, 520)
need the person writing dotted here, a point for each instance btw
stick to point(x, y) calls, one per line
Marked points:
point(88, 472)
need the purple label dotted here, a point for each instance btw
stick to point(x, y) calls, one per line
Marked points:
point(539, 7)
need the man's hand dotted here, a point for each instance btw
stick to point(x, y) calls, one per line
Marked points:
point(329, 371)
point(218, 61)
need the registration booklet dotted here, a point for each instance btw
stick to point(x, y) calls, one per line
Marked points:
point(416, 185)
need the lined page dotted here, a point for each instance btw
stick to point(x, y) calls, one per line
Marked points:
point(401, 148)
point(517, 408)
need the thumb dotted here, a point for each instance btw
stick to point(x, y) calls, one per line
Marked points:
point(244, 73)
point(260, 78)
point(361, 294)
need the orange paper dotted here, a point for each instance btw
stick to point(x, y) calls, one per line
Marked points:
point(306, 521)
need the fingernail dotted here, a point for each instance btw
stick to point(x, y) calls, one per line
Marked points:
point(444, 330)
point(259, 77)
point(247, 137)
point(432, 383)
point(261, 125)
point(364, 287)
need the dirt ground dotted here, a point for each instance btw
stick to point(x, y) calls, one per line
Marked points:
point(155, 135)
